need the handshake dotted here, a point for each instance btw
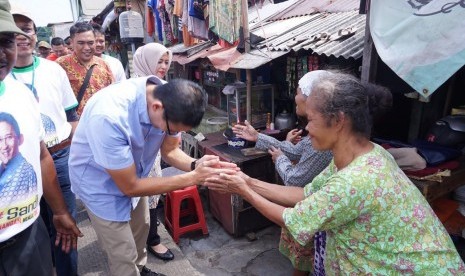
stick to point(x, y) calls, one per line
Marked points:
point(220, 176)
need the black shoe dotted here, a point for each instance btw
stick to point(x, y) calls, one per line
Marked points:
point(147, 272)
point(167, 256)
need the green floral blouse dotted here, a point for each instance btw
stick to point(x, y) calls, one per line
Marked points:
point(377, 222)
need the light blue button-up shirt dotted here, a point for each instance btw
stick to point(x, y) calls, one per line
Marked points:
point(113, 133)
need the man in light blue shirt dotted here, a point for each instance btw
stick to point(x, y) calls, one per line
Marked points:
point(115, 144)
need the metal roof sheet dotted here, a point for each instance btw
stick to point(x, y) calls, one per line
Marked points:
point(307, 7)
point(301, 36)
point(256, 58)
point(268, 10)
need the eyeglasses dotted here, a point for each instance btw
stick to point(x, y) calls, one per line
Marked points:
point(9, 139)
point(168, 126)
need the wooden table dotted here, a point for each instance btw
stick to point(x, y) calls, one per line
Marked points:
point(433, 190)
point(236, 215)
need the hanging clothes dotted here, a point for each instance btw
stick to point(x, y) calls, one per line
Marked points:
point(225, 19)
point(196, 9)
point(168, 37)
point(149, 21)
point(152, 4)
point(198, 28)
point(177, 10)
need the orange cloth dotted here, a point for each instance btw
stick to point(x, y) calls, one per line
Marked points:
point(150, 20)
point(52, 57)
point(187, 38)
point(444, 208)
point(177, 10)
point(101, 76)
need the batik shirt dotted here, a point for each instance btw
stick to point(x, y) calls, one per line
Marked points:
point(376, 220)
point(308, 161)
point(101, 76)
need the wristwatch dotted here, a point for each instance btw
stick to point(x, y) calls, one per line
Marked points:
point(193, 165)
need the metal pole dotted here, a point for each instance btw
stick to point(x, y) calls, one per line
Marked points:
point(133, 48)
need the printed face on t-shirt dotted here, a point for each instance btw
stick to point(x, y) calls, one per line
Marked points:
point(9, 142)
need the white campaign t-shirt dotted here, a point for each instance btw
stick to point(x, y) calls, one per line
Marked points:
point(50, 85)
point(116, 67)
point(20, 175)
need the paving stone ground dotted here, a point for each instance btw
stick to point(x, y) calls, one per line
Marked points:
point(216, 254)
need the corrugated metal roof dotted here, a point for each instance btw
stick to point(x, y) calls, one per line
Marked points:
point(292, 34)
point(256, 58)
point(307, 7)
point(300, 36)
point(267, 11)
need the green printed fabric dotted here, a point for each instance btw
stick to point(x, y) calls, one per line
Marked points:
point(376, 220)
point(225, 19)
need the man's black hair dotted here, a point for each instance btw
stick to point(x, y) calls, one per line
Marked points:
point(80, 27)
point(57, 41)
point(184, 101)
point(9, 119)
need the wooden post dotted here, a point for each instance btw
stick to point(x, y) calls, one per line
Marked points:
point(245, 24)
point(370, 56)
point(245, 29)
point(249, 95)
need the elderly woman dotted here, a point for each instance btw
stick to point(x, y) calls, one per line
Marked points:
point(297, 164)
point(154, 59)
point(376, 220)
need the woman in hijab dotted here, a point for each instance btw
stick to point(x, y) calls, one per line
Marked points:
point(154, 59)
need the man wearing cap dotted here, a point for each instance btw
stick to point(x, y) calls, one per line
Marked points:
point(44, 49)
point(82, 62)
point(49, 84)
point(24, 241)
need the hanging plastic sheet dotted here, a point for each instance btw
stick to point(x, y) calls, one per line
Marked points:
point(422, 41)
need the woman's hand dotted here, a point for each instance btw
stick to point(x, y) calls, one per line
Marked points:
point(275, 153)
point(294, 136)
point(246, 132)
point(228, 183)
point(210, 165)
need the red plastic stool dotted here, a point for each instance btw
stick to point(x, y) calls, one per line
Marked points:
point(174, 212)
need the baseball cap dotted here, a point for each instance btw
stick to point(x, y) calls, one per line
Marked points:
point(44, 44)
point(7, 23)
point(17, 9)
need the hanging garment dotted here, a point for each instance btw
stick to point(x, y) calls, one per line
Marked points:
point(177, 10)
point(150, 21)
point(168, 37)
point(197, 28)
point(225, 19)
point(158, 24)
point(421, 41)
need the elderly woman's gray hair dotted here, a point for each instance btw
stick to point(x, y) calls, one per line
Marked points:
point(339, 93)
point(307, 81)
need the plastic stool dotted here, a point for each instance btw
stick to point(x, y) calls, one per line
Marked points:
point(174, 212)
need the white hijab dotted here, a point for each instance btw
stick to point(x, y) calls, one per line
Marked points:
point(146, 58)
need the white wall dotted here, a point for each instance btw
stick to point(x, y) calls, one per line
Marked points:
point(46, 12)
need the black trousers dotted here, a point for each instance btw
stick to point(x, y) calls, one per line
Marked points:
point(29, 254)
point(153, 238)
